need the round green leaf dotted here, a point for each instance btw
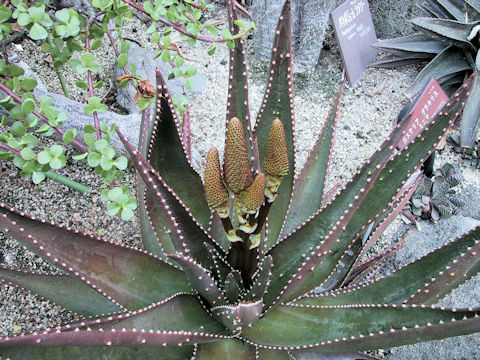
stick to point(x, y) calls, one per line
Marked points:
point(28, 106)
point(17, 129)
point(121, 163)
point(38, 177)
point(43, 157)
point(27, 154)
point(122, 60)
point(126, 214)
point(94, 159)
point(29, 83)
point(57, 163)
point(38, 32)
point(69, 135)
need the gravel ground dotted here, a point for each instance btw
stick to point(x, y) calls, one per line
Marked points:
point(368, 113)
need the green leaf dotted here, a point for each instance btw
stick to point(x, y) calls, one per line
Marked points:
point(43, 157)
point(143, 103)
point(28, 106)
point(121, 163)
point(80, 157)
point(292, 326)
point(69, 135)
point(17, 129)
point(227, 34)
point(94, 159)
point(127, 214)
point(81, 84)
point(27, 154)
point(166, 41)
point(57, 163)
point(29, 83)
point(95, 44)
point(5, 13)
point(38, 32)
point(37, 178)
point(191, 71)
point(63, 15)
point(212, 49)
point(98, 84)
point(89, 140)
point(165, 55)
point(212, 29)
point(59, 289)
point(124, 46)
point(122, 60)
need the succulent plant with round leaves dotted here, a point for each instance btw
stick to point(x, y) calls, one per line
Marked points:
point(449, 40)
point(216, 282)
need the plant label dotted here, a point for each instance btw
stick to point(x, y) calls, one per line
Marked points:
point(355, 33)
point(428, 103)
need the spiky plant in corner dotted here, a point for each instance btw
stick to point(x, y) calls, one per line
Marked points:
point(226, 285)
point(435, 198)
point(471, 156)
point(449, 40)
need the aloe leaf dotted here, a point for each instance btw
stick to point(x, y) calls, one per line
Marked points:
point(180, 319)
point(424, 281)
point(453, 10)
point(363, 199)
point(128, 277)
point(171, 219)
point(200, 279)
point(261, 279)
point(471, 117)
point(416, 43)
point(393, 61)
point(269, 354)
point(168, 157)
point(96, 352)
point(433, 8)
point(474, 4)
point(217, 232)
point(278, 103)
point(240, 316)
point(231, 349)
point(187, 134)
point(149, 237)
point(59, 289)
point(237, 102)
point(449, 61)
point(359, 327)
point(363, 242)
point(308, 187)
point(451, 31)
point(232, 289)
point(222, 268)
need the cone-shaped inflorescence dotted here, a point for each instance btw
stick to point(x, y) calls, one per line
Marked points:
point(236, 168)
point(275, 163)
point(215, 191)
point(255, 197)
point(252, 201)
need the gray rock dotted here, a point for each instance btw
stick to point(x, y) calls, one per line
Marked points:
point(145, 66)
point(129, 125)
point(430, 238)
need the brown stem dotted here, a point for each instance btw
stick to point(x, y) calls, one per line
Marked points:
point(90, 80)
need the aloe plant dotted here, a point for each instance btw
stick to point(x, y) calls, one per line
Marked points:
point(449, 41)
point(216, 282)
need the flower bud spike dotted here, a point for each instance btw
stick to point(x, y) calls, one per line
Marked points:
point(236, 168)
point(275, 163)
point(254, 197)
point(215, 191)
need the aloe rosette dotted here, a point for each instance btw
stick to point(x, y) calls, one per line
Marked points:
point(248, 264)
point(449, 40)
